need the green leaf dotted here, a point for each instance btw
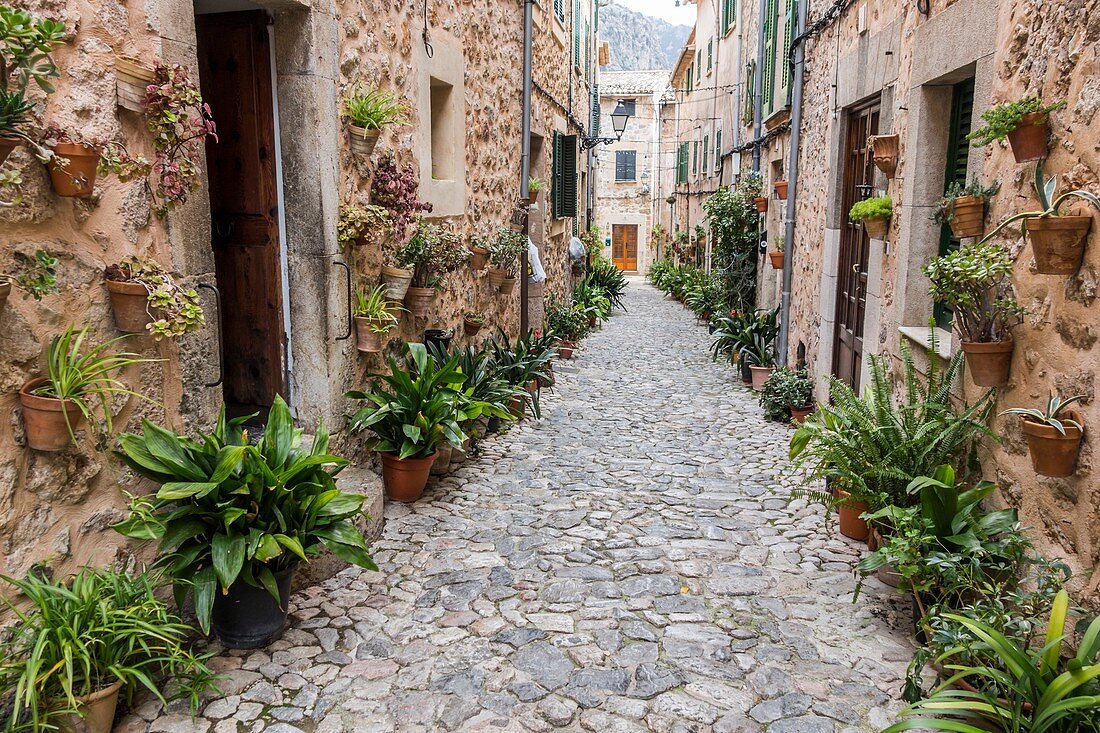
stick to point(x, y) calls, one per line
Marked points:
point(354, 555)
point(292, 544)
point(176, 490)
point(204, 586)
point(268, 548)
point(227, 552)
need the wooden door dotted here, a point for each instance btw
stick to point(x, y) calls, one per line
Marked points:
point(235, 71)
point(624, 246)
point(855, 247)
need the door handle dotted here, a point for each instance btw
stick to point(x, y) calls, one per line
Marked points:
point(221, 350)
point(855, 268)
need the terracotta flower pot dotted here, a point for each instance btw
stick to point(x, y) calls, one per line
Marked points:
point(96, 712)
point(988, 362)
point(532, 197)
point(46, 420)
point(442, 463)
point(77, 177)
point(565, 349)
point(876, 228)
point(479, 257)
point(781, 190)
point(969, 219)
point(1054, 454)
point(131, 82)
point(1058, 242)
point(130, 303)
point(532, 386)
point(418, 301)
point(362, 140)
point(761, 203)
point(507, 285)
point(5, 291)
point(760, 375)
point(1029, 140)
point(799, 414)
point(8, 144)
point(396, 280)
point(777, 260)
point(850, 523)
point(367, 340)
point(516, 407)
point(470, 327)
point(886, 150)
point(496, 277)
point(405, 478)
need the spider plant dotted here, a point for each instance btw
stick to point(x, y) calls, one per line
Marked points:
point(1055, 406)
point(376, 309)
point(373, 109)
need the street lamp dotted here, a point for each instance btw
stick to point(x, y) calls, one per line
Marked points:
point(619, 117)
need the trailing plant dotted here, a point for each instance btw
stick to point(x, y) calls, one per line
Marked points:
point(229, 511)
point(945, 210)
point(373, 109)
point(975, 281)
point(37, 276)
point(1004, 118)
point(786, 388)
point(879, 207)
point(505, 250)
point(395, 188)
point(363, 223)
point(432, 253)
point(175, 309)
point(80, 635)
point(373, 306)
point(1052, 416)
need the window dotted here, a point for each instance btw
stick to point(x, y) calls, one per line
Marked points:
point(626, 165)
point(710, 55)
point(695, 158)
point(564, 174)
point(691, 78)
point(771, 20)
point(630, 105)
point(789, 21)
point(728, 12)
point(958, 156)
point(559, 10)
point(706, 154)
point(682, 163)
point(587, 50)
point(699, 66)
point(444, 160)
point(718, 149)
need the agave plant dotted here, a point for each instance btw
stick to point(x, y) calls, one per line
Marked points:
point(1052, 416)
point(1050, 204)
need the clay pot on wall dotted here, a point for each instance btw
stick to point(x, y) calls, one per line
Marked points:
point(130, 303)
point(77, 176)
point(96, 712)
point(367, 340)
point(47, 421)
point(988, 363)
point(496, 277)
point(850, 523)
point(362, 141)
point(1058, 242)
point(131, 81)
point(885, 153)
point(397, 281)
point(8, 144)
point(1029, 140)
point(418, 301)
point(471, 329)
point(479, 257)
point(507, 285)
point(248, 617)
point(876, 228)
point(777, 260)
point(405, 478)
point(1054, 454)
point(969, 219)
point(761, 204)
point(532, 197)
point(781, 189)
point(760, 375)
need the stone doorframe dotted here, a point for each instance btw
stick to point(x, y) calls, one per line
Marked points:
point(306, 49)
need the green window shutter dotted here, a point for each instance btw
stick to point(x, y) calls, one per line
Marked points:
point(682, 164)
point(790, 18)
point(557, 183)
point(699, 67)
point(594, 123)
point(750, 93)
point(727, 15)
point(577, 33)
point(706, 154)
point(710, 54)
point(695, 158)
point(958, 155)
point(587, 49)
point(718, 149)
point(569, 175)
point(771, 20)
point(559, 10)
point(690, 78)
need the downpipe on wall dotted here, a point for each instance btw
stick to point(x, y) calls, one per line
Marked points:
point(525, 158)
point(758, 84)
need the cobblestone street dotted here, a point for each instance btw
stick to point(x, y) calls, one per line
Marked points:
point(629, 563)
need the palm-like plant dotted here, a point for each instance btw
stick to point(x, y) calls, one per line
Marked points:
point(523, 362)
point(228, 510)
point(483, 393)
point(608, 280)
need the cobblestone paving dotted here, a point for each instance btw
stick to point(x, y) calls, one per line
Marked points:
point(629, 563)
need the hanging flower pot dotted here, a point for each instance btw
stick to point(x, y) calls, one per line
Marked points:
point(8, 144)
point(851, 525)
point(969, 217)
point(1054, 454)
point(96, 712)
point(471, 328)
point(130, 303)
point(5, 291)
point(397, 281)
point(367, 340)
point(1029, 140)
point(777, 260)
point(885, 153)
point(479, 257)
point(507, 285)
point(781, 189)
point(362, 141)
point(876, 228)
point(418, 301)
point(76, 176)
point(988, 362)
point(760, 375)
point(405, 478)
point(46, 420)
point(497, 277)
point(131, 81)
point(761, 203)
point(249, 617)
point(1058, 242)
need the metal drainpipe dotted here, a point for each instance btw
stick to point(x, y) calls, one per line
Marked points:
point(758, 81)
point(525, 160)
point(792, 188)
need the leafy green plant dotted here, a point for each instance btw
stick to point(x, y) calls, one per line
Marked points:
point(37, 276)
point(534, 185)
point(374, 109)
point(505, 250)
point(591, 300)
point(1041, 691)
point(176, 309)
point(229, 511)
point(81, 635)
point(879, 207)
point(945, 209)
point(608, 280)
point(373, 306)
point(975, 281)
point(734, 226)
point(25, 46)
point(484, 392)
point(564, 320)
point(478, 319)
point(359, 224)
point(779, 242)
point(432, 253)
point(786, 388)
point(745, 335)
point(1004, 118)
point(1052, 416)
point(525, 361)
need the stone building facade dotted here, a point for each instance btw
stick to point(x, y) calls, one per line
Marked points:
point(457, 66)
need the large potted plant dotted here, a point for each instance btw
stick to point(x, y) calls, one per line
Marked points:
point(80, 641)
point(975, 282)
point(759, 354)
point(368, 110)
point(146, 299)
point(76, 379)
point(788, 395)
point(963, 207)
point(777, 253)
point(566, 323)
point(232, 518)
point(411, 413)
point(524, 365)
point(432, 253)
point(374, 318)
point(875, 215)
point(1053, 435)
point(504, 253)
point(1024, 123)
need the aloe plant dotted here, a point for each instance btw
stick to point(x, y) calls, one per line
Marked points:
point(1055, 406)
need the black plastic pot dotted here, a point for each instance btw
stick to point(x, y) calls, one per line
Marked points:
point(493, 426)
point(746, 370)
point(438, 336)
point(248, 617)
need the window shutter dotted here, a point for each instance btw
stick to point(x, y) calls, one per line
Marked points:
point(728, 8)
point(682, 164)
point(695, 158)
point(958, 156)
point(770, 21)
point(706, 154)
point(577, 33)
point(750, 93)
point(718, 149)
point(710, 54)
point(594, 123)
point(557, 183)
point(559, 10)
point(626, 165)
point(789, 20)
point(569, 175)
point(690, 78)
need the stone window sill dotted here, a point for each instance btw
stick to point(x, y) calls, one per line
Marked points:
point(920, 335)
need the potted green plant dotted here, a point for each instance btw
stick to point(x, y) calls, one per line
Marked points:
point(26, 42)
point(1054, 435)
point(431, 253)
point(368, 110)
point(524, 366)
point(566, 323)
point(975, 282)
point(374, 317)
point(472, 323)
point(80, 641)
point(36, 277)
point(54, 406)
point(504, 253)
point(534, 185)
point(875, 215)
point(787, 395)
point(411, 413)
point(145, 298)
point(232, 518)
point(73, 162)
point(479, 252)
point(1025, 123)
point(776, 255)
point(963, 207)
point(363, 225)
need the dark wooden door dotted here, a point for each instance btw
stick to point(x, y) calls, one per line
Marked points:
point(855, 247)
point(624, 246)
point(235, 71)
